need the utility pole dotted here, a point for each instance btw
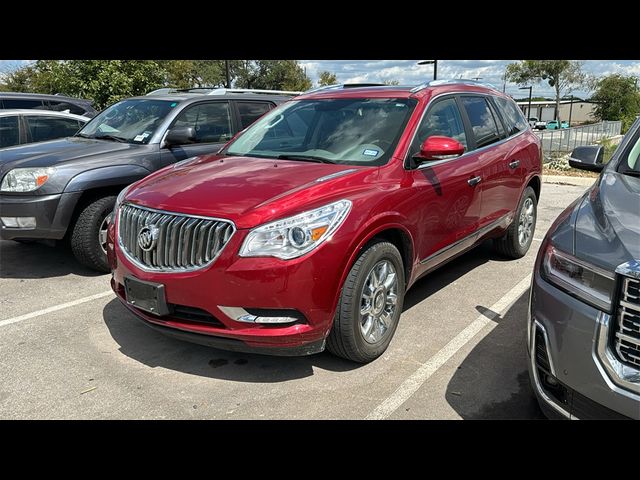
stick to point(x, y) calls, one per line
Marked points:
point(570, 110)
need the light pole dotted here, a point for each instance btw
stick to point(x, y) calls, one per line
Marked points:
point(570, 110)
point(226, 68)
point(529, 107)
point(435, 66)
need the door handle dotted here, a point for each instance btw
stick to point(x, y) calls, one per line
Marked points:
point(474, 181)
point(514, 164)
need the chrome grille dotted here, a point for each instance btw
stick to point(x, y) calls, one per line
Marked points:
point(182, 242)
point(627, 339)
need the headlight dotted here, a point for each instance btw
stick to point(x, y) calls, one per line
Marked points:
point(579, 278)
point(294, 236)
point(25, 179)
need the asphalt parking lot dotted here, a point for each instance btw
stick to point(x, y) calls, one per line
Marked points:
point(69, 350)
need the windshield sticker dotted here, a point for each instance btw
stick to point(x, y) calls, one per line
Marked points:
point(139, 138)
point(174, 104)
point(370, 153)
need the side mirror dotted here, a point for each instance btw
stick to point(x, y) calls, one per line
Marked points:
point(437, 147)
point(180, 136)
point(589, 157)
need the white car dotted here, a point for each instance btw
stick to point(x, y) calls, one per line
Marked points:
point(18, 127)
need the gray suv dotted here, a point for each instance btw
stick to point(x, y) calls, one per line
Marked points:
point(66, 188)
point(584, 323)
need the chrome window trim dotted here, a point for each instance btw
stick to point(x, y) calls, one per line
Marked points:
point(620, 378)
point(534, 369)
point(165, 212)
point(439, 162)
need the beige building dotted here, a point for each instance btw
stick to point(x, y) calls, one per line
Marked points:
point(580, 112)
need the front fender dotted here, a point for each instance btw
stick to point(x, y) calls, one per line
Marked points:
point(112, 176)
point(369, 230)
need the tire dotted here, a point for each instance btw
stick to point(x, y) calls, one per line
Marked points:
point(347, 339)
point(85, 243)
point(509, 245)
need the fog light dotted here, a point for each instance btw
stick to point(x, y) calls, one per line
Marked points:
point(19, 222)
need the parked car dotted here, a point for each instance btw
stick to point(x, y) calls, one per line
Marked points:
point(584, 312)
point(66, 188)
point(555, 125)
point(533, 122)
point(308, 228)
point(40, 101)
point(540, 125)
point(26, 126)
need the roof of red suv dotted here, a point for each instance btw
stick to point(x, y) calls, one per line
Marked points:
point(399, 91)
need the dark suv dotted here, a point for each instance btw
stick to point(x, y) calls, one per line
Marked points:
point(584, 312)
point(68, 187)
point(40, 101)
point(310, 226)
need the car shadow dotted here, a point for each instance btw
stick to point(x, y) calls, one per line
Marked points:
point(492, 383)
point(449, 273)
point(36, 260)
point(145, 345)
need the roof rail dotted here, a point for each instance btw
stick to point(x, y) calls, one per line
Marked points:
point(346, 85)
point(455, 81)
point(223, 91)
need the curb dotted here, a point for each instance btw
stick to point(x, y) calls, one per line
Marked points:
point(566, 180)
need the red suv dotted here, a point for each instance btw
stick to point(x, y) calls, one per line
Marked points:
point(308, 228)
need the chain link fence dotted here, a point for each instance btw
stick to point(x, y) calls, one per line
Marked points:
point(559, 142)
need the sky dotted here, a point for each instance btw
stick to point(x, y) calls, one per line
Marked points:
point(408, 72)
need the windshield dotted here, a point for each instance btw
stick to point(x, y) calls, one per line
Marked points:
point(131, 121)
point(351, 131)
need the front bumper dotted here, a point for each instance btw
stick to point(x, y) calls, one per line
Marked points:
point(52, 213)
point(575, 338)
point(309, 285)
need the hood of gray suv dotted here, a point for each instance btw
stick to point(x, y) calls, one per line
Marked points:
point(64, 150)
point(607, 221)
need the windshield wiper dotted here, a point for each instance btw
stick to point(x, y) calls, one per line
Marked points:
point(305, 158)
point(83, 135)
point(630, 172)
point(110, 137)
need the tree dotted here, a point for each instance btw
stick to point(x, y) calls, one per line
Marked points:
point(559, 74)
point(271, 75)
point(617, 98)
point(327, 78)
point(391, 82)
point(103, 81)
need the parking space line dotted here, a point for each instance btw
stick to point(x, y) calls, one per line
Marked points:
point(55, 308)
point(422, 374)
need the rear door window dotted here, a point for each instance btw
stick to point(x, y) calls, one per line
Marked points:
point(251, 111)
point(511, 115)
point(44, 128)
point(483, 122)
point(9, 131)
point(21, 103)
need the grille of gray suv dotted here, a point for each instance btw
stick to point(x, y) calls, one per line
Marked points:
point(627, 339)
point(178, 242)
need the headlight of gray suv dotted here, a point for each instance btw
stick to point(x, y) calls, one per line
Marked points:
point(26, 179)
point(583, 280)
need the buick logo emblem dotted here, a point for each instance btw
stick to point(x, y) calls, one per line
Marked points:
point(148, 237)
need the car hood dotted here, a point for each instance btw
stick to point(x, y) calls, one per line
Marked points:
point(55, 152)
point(607, 230)
point(247, 191)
